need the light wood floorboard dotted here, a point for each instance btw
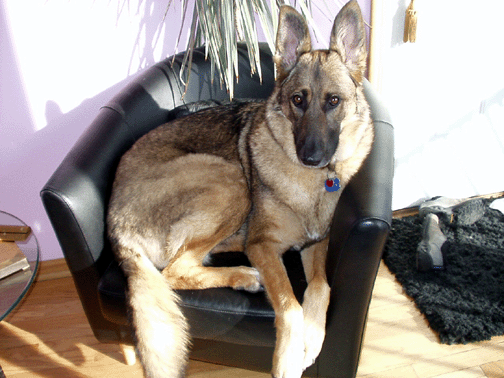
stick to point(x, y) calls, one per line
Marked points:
point(48, 336)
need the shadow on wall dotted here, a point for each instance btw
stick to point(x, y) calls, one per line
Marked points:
point(158, 31)
point(36, 160)
point(398, 23)
point(28, 157)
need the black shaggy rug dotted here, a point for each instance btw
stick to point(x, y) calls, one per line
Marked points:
point(465, 301)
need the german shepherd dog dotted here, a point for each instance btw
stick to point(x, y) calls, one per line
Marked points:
point(258, 177)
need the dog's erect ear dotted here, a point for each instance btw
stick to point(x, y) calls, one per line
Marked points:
point(293, 39)
point(348, 39)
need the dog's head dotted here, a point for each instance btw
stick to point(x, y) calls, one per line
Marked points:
point(318, 91)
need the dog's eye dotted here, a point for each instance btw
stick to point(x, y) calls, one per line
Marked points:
point(334, 100)
point(297, 100)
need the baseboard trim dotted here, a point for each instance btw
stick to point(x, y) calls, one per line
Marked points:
point(408, 211)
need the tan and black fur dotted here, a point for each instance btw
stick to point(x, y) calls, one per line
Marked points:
point(245, 177)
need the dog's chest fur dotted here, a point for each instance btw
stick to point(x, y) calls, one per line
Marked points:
point(283, 181)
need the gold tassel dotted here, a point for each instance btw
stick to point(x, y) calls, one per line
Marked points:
point(410, 24)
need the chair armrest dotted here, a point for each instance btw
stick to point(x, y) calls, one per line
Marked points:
point(76, 194)
point(360, 228)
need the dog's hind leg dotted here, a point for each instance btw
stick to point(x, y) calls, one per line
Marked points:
point(235, 243)
point(315, 300)
point(186, 271)
point(213, 215)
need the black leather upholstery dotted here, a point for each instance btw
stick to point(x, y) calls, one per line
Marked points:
point(229, 327)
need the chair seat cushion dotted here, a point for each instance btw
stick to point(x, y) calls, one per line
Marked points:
point(222, 314)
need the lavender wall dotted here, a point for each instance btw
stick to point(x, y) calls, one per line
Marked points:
point(59, 62)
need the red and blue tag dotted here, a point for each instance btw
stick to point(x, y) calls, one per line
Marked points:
point(332, 185)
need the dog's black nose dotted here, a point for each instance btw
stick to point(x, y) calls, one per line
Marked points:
point(316, 150)
point(312, 160)
point(312, 155)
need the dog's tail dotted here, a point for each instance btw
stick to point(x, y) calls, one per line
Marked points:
point(161, 329)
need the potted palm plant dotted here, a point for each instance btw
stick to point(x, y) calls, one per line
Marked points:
point(221, 24)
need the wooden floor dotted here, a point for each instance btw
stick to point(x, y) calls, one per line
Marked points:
point(48, 336)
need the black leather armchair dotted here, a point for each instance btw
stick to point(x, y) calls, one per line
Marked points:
point(228, 327)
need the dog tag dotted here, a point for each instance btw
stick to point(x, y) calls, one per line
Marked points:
point(332, 185)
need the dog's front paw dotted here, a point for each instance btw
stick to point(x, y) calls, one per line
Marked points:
point(316, 300)
point(246, 278)
point(313, 340)
point(290, 349)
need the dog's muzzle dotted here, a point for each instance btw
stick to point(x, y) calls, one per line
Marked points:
point(315, 152)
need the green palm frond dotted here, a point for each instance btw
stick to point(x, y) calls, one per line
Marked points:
point(221, 24)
